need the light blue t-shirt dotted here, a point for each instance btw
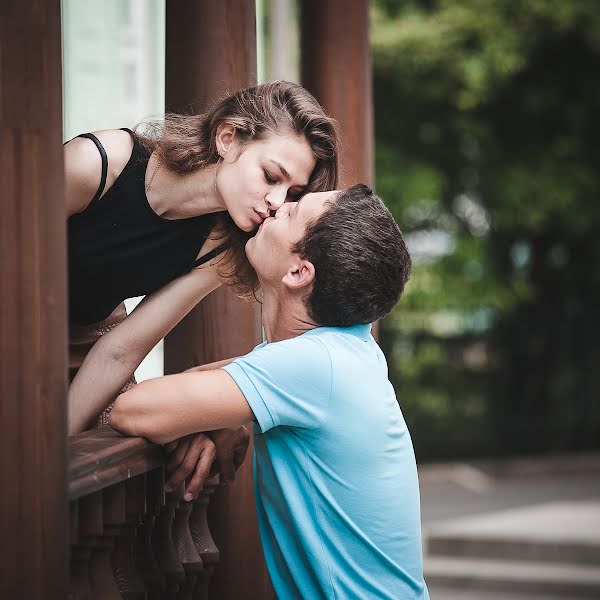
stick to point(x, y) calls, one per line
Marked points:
point(335, 474)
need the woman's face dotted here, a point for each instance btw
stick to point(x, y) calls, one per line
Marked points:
point(258, 177)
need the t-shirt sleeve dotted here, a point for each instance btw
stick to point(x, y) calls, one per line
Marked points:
point(286, 383)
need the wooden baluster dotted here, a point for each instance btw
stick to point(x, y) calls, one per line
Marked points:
point(186, 549)
point(151, 570)
point(79, 587)
point(164, 547)
point(136, 507)
point(162, 541)
point(91, 530)
point(204, 542)
point(117, 523)
point(89, 511)
point(101, 572)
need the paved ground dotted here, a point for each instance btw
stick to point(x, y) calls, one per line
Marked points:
point(467, 489)
point(550, 500)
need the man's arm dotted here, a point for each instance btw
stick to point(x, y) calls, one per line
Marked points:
point(211, 366)
point(167, 408)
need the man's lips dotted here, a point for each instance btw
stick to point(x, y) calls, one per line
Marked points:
point(261, 225)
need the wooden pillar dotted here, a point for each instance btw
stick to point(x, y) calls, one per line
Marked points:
point(336, 69)
point(33, 316)
point(211, 51)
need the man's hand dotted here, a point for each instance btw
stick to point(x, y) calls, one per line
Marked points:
point(231, 447)
point(194, 455)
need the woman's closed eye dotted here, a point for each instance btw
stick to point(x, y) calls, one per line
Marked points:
point(269, 178)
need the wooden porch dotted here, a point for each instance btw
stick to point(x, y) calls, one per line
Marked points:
point(87, 517)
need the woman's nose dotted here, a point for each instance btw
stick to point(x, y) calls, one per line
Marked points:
point(276, 198)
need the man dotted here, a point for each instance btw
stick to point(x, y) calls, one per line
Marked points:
point(335, 474)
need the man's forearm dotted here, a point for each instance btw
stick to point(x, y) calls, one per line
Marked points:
point(211, 366)
point(167, 408)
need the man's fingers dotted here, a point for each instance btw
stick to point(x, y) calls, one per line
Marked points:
point(201, 474)
point(178, 455)
point(170, 446)
point(226, 467)
point(239, 455)
point(201, 448)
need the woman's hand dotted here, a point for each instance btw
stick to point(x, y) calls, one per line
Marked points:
point(194, 456)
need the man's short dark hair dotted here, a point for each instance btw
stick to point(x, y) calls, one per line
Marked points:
point(360, 258)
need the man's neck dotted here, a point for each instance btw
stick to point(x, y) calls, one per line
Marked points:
point(284, 317)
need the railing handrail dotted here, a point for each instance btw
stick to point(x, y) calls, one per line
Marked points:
point(102, 457)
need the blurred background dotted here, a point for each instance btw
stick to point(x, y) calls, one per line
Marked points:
point(486, 145)
point(486, 133)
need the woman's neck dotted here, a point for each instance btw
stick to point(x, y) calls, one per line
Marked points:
point(174, 196)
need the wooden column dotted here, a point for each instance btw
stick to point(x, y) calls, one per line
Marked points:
point(33, 316)
point(211, 51)
point(336, 69)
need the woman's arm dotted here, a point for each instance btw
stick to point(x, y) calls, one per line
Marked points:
point(115, 356)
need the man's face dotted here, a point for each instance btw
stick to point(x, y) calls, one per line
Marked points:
point(270, 250)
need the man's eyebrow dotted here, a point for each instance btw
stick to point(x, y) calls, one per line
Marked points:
point(284, 172)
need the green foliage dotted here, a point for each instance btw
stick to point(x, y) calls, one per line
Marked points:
point(487, 155)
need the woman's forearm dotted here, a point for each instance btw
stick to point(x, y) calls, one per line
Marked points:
point(113, 359)
point(101, 377)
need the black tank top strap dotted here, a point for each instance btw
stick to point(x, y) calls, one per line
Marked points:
point(91, 136)
point(210, 255)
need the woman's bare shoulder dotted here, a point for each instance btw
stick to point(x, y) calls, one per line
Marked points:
point(83, 165)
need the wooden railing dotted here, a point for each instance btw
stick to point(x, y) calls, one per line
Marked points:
point(128, 538)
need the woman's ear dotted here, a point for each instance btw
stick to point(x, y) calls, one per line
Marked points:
point(224, 138)
point(299, 276)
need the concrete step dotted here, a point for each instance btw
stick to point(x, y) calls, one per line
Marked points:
point(526, 550)
point(445, 593)
point(557, 532)
point(517, 577)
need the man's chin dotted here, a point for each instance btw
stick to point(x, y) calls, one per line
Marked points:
point(249, 249)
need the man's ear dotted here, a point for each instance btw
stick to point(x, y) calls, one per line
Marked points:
point(300, 275)
point(224, 138)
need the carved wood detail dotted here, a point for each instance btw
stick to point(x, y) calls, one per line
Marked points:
point(128, 539)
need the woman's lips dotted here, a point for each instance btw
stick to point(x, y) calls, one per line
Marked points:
point(258, 218)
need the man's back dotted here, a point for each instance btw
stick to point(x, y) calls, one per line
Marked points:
point(336, 481)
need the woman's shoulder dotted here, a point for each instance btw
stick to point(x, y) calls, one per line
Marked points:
point(83, 165)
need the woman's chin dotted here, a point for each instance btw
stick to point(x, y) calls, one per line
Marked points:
point(247, 226)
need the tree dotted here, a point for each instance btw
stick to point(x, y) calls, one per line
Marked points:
point(487, 155)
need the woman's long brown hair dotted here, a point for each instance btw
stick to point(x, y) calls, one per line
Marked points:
point(185, 143)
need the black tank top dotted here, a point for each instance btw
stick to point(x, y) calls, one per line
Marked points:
point(120, 248)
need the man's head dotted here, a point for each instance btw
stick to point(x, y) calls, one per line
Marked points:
point(341, 252)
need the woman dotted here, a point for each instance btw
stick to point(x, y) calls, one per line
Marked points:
point(141, 208)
